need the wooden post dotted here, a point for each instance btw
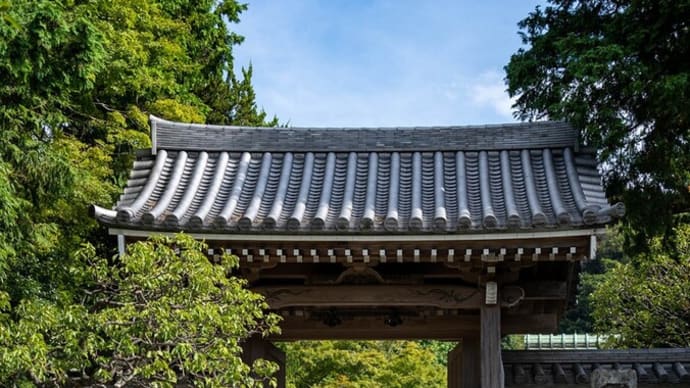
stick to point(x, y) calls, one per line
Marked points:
point(491, 364)
point(463, 364)
point(257, 347)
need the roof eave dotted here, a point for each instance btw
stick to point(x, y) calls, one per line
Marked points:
point(354, 237)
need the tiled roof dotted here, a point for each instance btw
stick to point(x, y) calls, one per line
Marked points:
point(421, 180)
point(176, 136)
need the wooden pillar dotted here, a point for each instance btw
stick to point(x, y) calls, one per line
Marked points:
point(257, 347)
point(463, 364)
point(491, 364)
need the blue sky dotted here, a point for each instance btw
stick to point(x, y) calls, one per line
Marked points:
point(381, 62)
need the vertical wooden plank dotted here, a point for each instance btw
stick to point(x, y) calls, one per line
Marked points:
point(463, 364)
point(257, 347)
point(278, 356)
point(454, 367)
point(470, 362)
point(490, 347)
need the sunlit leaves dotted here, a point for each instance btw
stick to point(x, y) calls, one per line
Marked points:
point(646, 299)
point(78, 82)
point(168, 313)
point(354, 364)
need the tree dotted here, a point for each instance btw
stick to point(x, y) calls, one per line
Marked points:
point(645, 299)
point(246, 112)
point(579, 318)
point(78, 79)
point(168, 315)
point(166, 57)
point(49, 57)
point(618, 71)
point(336, 364)
point(161, 315)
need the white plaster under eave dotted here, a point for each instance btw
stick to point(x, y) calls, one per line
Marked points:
point(593, 232)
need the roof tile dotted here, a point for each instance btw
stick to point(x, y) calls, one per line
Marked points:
point(264, 180)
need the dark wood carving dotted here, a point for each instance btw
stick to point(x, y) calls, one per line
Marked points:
point(443, 297)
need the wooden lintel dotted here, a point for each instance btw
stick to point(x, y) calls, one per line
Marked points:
point(452, 327)
point(545, 290)
point(529, 323)
point(441, 296)
point(437, 296)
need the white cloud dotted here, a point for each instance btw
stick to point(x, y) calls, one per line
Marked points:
point(324, 64)
point(489, 91)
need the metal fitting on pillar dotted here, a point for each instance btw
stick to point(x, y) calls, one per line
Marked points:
point(491, 293)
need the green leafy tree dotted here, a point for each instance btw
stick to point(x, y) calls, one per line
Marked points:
point(618, 71)
point(579, 318)
point(160, 316)
point(246, 111)
point(78, 79)
point(645, 299)
point(47, 60)
point(167, 318)
point(169, 58)
point(360, 364)
point(439, 348)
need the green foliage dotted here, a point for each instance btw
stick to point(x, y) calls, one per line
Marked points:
point(49, 56)
point(579, 318)
point(154, 317)
point(41, 341)
point(362, 364)
point(165, 318)
point(47, 61)
point(246, 111)
point(513, 342)
point(618, 71)
point(78, 82)
point(645, 299)
point(439, 348)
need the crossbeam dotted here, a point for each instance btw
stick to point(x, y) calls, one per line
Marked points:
point(452, 327)
point(443, 297)
point(437, 296)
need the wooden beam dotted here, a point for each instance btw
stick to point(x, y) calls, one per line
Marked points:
point(545, 290)
point(439, 296)
point(442, 296)
point(448, 327)
point(255, 348)
point(374, 328)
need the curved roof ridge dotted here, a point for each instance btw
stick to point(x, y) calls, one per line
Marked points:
point(171, 135)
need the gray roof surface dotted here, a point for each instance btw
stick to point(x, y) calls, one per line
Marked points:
point(374, 180)
point(176, 136)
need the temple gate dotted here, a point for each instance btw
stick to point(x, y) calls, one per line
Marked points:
point(452, 233)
